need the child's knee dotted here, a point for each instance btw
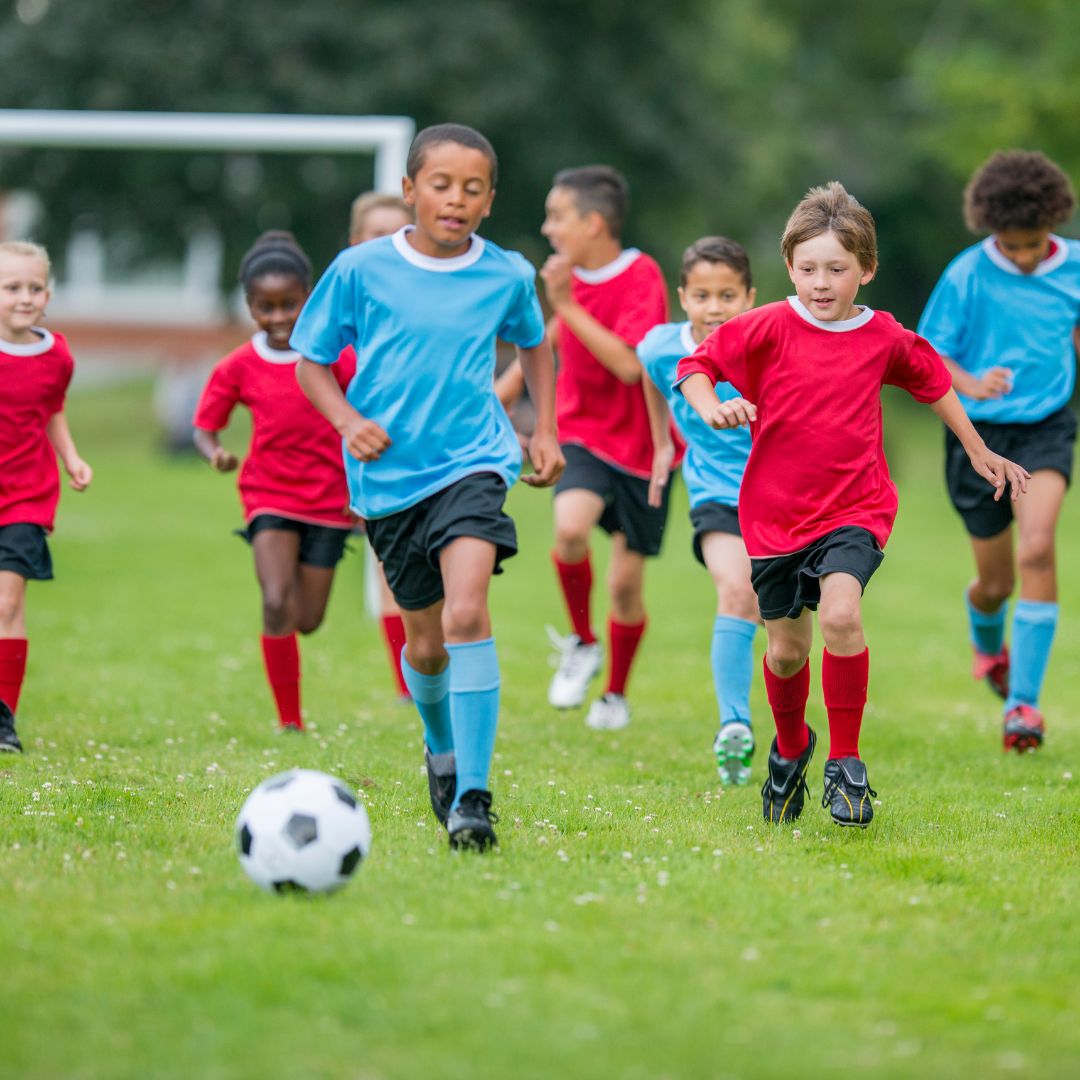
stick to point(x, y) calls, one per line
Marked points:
point(277, 609)
point(465, 618)
point(840, 619)
point(786, 656)
point(737, 599)
point(571, 542)
point(1035, 554)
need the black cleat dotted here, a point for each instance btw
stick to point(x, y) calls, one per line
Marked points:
point(848, 792)
point(441, 781)
point(785, 788)
point(9, 741)
point(469, 823)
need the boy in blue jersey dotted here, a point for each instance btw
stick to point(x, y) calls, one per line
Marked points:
point(430, 452)
point(1004, 315)
point(715, 285)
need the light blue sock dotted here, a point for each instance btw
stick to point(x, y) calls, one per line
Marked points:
point(987, 630)
point(733, 665)
point(431, 693)
point(1034, 624)
point(474, 711)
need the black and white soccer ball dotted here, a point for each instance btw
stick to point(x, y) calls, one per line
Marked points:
point(302, 831)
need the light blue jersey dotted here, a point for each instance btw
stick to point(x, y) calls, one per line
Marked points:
point(985, 313)
point(715, 460)
point(424, 331)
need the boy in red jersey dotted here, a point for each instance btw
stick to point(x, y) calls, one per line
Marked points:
point(292, 485)
point(817, 504)
point(35, 370)
point(606, 298)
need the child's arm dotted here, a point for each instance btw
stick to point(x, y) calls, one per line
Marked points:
point(608, 348)
point(208, 444)
point(364, 439)
point(993, 467)
point(538, 368)
point(663, 447)
point(993, 384)
point(700, 391)
point(510, 385)
point(60, 436)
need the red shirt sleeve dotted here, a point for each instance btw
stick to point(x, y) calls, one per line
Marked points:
point(344, 368)
point(645, 306)
point(56, 402)
point(721, 356)
point(219, 397)
point(917, 368)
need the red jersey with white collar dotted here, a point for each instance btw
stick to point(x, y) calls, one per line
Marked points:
point(593, 408)
point(33, 382)
point(294, 464)
point(817, 461)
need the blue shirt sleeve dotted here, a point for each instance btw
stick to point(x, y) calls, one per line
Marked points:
point(329, 319)
point(653, 361)
point(523, 324)
point(944, 321)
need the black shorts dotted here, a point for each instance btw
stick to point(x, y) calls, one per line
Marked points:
point(320, 545)
point(408, 543)
point(1047, 444)
point(710, 517)
point(25, 551)
point(626, 499)
point(788, 583)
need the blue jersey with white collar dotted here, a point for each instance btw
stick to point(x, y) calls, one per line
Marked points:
point(424, 331)
point(985, 313)
point(715, 460)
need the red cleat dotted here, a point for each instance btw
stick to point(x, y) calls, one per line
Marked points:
point(994, 669)
point(1023, 729)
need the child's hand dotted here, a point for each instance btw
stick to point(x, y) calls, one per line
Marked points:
point(556, 276)
point(223, 461)
point(81, 474)
point(547, 461)
point(997, 382)
point(1000, 471)
point(663, 456)
point(364, 439)
point(736, 412)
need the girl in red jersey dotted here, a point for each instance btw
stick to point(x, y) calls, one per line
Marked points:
point(35, 370)
point(292, 485)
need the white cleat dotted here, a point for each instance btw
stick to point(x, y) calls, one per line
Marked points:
point(734, 747)
point(608, 713)
point(578, 665)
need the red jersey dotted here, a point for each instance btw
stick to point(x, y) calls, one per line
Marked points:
point(817, 461)
point(34, 379)
point(294, 464)
point(592, 407)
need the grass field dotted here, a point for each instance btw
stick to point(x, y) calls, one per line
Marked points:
point(638, 922)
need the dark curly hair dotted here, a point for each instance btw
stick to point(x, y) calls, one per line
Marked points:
point(1017, 189)
point(275, 252)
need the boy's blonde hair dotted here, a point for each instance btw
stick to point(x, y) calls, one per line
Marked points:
point(832, 209)
point(373, 200)
point(27, 247)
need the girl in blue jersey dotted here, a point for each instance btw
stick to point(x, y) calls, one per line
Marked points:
point(1004, 315)
point(715, 285)
point(430, 452)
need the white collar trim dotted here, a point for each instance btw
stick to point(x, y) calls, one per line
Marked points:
point(1047, 266)
point(270, 354)
point(35, 348)
point(613, 269)
point(429, 262)
point(800, 309)
point(686, 338)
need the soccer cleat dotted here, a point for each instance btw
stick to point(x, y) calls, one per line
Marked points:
point(608, 713)
point(734, 747)
point(9, 740)
point(442, 782)
point(1023, 729)
point(848, 792)
point(994, 668)
point(785, 788)
point(470, 822)
point(578, 664)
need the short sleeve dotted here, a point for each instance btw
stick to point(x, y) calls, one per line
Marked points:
point(329, 319)
point(917, 368)
point(219, 398)
point(523, 324)
point(60, 388)
point(654, 361)
point(943, 321)
point(644, 307)
point(721, 356)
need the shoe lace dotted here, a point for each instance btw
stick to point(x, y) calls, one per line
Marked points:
point(480, 801)
point(768, 789)
point(568, 656)
point(832, 785)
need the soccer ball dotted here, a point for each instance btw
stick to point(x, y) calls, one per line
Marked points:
point(302, 831)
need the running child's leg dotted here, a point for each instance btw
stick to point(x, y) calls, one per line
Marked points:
point(626, 622)
point(987, 602)
point(13, 644)
point(277, 568)
point(313, 585)
point(393, 628)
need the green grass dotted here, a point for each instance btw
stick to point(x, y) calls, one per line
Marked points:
point(638, 921)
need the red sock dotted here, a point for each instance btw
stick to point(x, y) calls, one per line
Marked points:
point(624, 639)
point(844, 680)
point(787, 699)
point(394, 631)
point(576, 581)
point(12, 669)
point(282, 658)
